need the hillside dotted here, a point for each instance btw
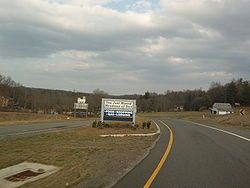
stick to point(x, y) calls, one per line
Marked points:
point(15, 97)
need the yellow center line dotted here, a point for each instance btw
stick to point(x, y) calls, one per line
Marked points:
point(163, 159)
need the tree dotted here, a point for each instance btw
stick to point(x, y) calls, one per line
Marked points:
point(95, 99)
point(231, 92)
point(216, 92)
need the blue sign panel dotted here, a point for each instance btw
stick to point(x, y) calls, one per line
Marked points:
point(117, 115)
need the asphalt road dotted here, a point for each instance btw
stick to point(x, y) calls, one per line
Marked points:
point(37, 128)
point(199, 157)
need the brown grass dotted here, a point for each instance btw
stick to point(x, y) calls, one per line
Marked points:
point(18, 118)
point(234, 119)
point(82, 155)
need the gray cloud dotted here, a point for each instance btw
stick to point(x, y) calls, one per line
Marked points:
point(73, 45)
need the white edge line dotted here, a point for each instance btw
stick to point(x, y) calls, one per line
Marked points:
point(164, 124)
point(146, 134)
point(221, 130)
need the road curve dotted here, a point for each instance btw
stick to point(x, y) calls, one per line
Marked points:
point(37, 128)
point(199, 157)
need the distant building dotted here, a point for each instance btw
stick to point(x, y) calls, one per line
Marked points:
point(222, 109)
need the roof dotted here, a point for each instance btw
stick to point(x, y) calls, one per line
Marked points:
point(223, 107)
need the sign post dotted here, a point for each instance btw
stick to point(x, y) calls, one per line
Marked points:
point(121, 110)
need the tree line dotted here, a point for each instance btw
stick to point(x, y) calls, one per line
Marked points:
point(46, 100)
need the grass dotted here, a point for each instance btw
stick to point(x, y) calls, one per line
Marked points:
point(234, 119)
point(18, 118)
point(85, 158)
point(88, 160)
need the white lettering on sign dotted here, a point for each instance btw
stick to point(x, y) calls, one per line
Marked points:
point(118, 104)
point(118, 113)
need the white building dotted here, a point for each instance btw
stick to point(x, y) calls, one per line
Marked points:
point(222, 109)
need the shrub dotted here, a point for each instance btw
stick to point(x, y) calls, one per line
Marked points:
point(94, 124)
point(133, 128)
point(106, 125)
point(144, 124)
point(148, 124)
point(99, 124)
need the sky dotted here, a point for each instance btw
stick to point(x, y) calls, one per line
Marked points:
point(124, 46)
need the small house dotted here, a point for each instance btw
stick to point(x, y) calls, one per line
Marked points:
point(222, 109)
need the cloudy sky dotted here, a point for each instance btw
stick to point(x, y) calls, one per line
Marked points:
point(124, 46)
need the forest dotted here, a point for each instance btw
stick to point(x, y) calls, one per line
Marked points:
point(21, 98)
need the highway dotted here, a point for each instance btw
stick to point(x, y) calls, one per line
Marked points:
point(196, 155)
point(37, 128)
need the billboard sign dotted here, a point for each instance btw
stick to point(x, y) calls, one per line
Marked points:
point(118, 110)
point(81, 104)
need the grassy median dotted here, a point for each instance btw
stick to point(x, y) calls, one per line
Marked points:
point(84, 157)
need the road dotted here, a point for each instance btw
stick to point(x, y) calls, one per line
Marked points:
point(37, 128)
point(200, 156)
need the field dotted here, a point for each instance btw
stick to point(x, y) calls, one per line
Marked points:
point(17, 118)
point(85, 158)
point(234, 119)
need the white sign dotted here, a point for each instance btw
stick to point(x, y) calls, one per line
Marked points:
point(118, 110)
point(81, 104)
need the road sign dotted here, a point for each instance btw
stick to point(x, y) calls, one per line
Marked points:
point(242, 112)
point(118, 110)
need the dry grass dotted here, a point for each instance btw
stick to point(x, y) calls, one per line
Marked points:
point(231, 120)
point(234, 119)
point(123, 129)
point(82, 155)
point(18, 118)
point(180, 115)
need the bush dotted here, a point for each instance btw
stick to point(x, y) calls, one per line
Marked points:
point(99, 124)
point(106, 125)
point(148, 124)
point(144, 124)
point(94, 124)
